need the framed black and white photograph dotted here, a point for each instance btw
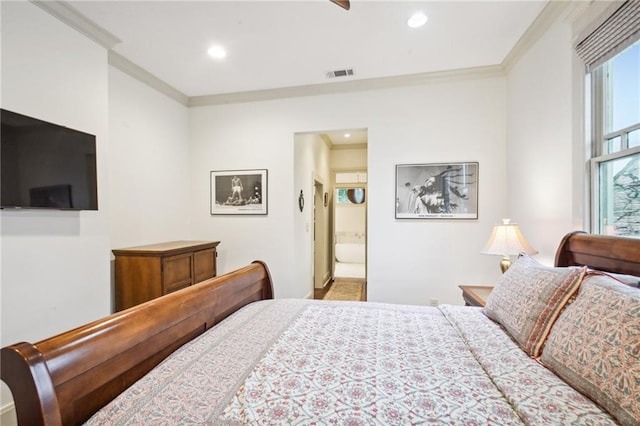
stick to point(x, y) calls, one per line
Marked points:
point(239, 192)
point(437, 191)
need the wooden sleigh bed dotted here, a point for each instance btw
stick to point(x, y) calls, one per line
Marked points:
point(67, 378)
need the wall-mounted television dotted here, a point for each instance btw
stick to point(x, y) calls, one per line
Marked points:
point(44, 165)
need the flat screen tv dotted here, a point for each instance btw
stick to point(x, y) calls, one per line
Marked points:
point(46, 166)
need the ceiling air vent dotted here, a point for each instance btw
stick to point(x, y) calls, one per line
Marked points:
point(340, 73)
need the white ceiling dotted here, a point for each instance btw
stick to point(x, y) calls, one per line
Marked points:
point(274, 45)
point(278, 44)
point(347, 137)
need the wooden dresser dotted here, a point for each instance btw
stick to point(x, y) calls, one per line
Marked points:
point(146, 272)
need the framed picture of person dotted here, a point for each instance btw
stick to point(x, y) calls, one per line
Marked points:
point(437, 191)
point(239, 192)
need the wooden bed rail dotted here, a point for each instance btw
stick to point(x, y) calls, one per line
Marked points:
point(66, 378)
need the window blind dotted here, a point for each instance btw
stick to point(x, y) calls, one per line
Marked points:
point(615, 34)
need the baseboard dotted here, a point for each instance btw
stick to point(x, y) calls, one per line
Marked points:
point(8, 415)
point(325, 283)
point(327, 278)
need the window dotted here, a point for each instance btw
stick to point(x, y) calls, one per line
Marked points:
point(615, 139)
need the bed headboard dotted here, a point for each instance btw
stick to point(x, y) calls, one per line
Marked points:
point(620, 255)
point(66, 378)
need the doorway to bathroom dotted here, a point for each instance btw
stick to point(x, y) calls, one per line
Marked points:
point(344, 201)
point(324, 161)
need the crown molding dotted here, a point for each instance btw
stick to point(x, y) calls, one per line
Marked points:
point(549, 14)
point(70, 16)
point(126, 66)
point(490, 71)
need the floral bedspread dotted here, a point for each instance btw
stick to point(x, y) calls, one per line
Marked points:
point(305, 362)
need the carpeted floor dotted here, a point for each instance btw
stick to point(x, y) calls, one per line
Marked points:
point(347, 289)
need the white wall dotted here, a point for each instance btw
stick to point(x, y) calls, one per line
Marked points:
point(413, 261)
point(351, 159)
point(545, 197)
point(351, 218)
point(55, 264)
point(149, 188)
point(409, 261)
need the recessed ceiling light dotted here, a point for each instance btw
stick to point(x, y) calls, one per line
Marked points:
point(418, 19)
point(217, 52)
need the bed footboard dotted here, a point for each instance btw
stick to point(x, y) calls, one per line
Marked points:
point(66, 378)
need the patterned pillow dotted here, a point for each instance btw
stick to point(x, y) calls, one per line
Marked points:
point(595, 346)
point(528, 298)
point(630, 280)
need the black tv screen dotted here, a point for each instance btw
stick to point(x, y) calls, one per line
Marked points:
point(44, 165)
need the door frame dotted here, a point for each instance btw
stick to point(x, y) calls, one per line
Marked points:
point(321, 272)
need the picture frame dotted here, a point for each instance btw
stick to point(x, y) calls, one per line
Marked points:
point(239, 192)
point(437, 191)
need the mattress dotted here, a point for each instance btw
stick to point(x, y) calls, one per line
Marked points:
point(295, 361)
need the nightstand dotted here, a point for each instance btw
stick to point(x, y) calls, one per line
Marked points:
point(475, 295)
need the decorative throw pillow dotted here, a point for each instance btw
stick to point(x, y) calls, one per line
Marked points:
point(595, 346)
point(528, 298)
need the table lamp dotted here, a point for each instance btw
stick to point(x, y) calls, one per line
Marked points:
point(506, 240)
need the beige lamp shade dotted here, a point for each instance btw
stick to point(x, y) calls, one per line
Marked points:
point(507, 240)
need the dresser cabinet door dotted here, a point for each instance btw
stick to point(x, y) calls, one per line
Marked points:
point(138, 279)
point(204, 264)
point(176, 272)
